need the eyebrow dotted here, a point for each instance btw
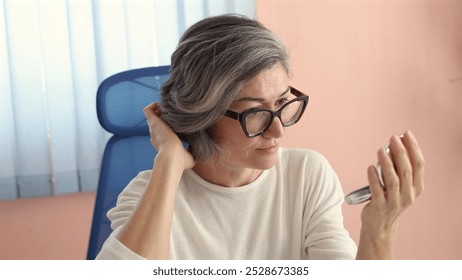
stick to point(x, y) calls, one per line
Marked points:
point(260, 99)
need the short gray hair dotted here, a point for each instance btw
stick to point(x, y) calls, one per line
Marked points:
point(213, 60)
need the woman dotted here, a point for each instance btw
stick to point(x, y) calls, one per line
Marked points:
point(235, 193)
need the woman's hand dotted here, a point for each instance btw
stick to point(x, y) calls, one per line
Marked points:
point(148, 230)
point(163, 139)
point(403, 176)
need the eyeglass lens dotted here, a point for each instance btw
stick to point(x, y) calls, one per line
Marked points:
point(258, 121)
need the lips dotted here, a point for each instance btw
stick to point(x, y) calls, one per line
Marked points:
point(270, 149)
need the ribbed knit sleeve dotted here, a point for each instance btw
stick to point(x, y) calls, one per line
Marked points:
point(126, 203)
point(325, 235)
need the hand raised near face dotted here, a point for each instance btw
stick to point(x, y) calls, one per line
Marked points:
point(163, 138)
point(403, 178)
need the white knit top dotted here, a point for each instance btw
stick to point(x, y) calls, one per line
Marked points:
point(291, 211)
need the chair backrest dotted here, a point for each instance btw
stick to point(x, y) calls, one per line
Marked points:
point(120, 102)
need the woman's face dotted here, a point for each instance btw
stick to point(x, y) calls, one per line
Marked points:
point(268, 90)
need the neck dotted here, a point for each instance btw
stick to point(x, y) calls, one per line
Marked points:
point(225, 175)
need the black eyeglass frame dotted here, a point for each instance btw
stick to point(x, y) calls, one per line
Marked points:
point(241, 117)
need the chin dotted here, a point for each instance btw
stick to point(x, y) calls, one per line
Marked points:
point(266, 163)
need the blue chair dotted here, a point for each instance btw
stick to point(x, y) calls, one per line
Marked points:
point(119, 103)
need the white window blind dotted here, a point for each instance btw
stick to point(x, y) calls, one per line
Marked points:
point(53, 55)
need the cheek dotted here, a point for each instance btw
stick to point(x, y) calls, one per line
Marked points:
point(229, 134)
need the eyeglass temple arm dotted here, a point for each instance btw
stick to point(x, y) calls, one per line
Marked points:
point(232, 114)
point(296, 92)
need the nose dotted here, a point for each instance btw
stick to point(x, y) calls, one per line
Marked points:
point(275, 130)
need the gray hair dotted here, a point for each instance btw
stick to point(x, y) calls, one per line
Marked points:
point(213, 60)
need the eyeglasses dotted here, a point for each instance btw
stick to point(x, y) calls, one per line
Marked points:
point(255, 122)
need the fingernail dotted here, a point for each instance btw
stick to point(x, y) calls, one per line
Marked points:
point(371, 169)
point(384, 151)
point(410, 134)
point(398, 138)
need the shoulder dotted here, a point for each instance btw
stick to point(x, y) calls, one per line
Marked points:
point(302, 157)
point(310, 167)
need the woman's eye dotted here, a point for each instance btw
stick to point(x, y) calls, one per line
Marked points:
point(281, 102)
point(254, 109)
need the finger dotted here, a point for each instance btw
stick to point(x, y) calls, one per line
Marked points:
point(152, 113)
point(377, 192)
point(389, 176)
point(417, 161)
point(149, 113)
point(403, 169)
point(152, 109)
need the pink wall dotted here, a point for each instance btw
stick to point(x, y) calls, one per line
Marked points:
point(372, 69)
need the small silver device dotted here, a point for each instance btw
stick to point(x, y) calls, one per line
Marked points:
point(364, 194)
